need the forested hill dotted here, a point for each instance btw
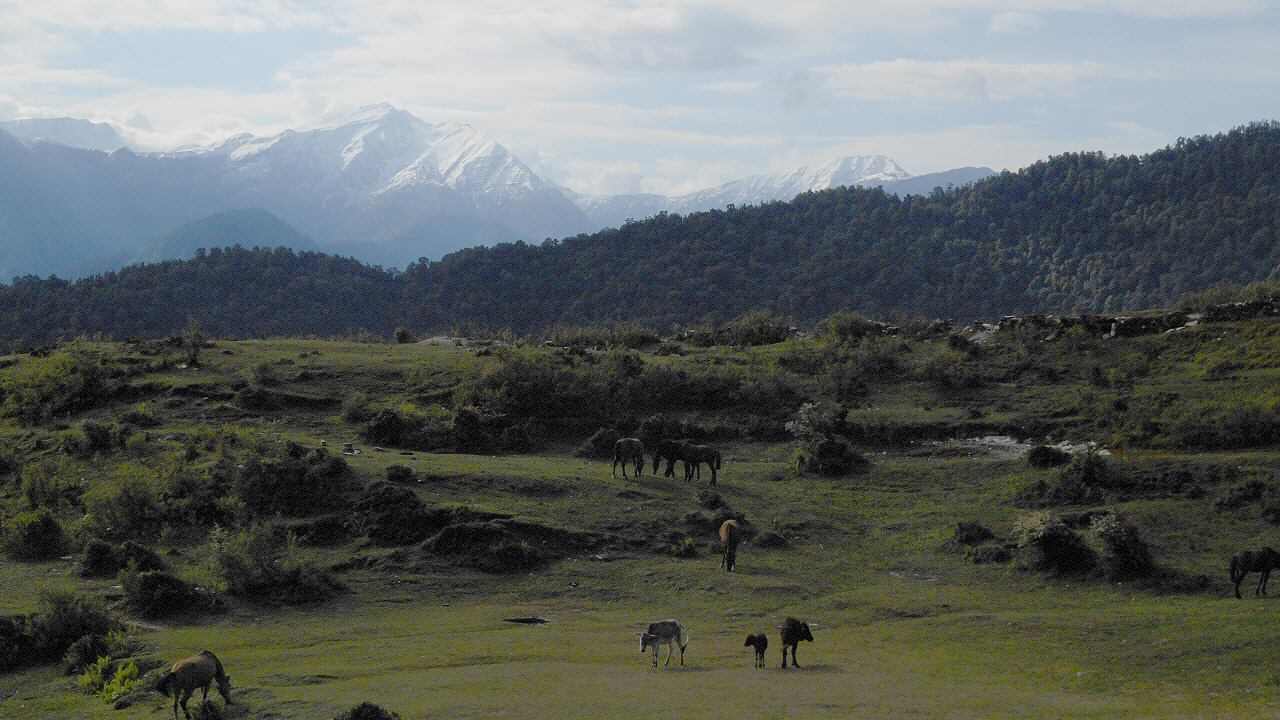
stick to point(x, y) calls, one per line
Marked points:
point(1077, 232)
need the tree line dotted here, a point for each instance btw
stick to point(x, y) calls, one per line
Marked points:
point(1079, 232)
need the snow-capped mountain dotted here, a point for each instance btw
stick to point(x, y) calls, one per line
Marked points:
point(385, 177)
point(66, 131)
point(865, 171)
point(379, 184)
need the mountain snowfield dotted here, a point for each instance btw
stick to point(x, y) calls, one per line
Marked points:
point(389, 188)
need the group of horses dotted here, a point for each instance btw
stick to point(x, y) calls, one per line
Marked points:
point(632, 450)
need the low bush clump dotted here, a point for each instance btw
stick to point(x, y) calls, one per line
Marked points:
point(1048, 545)
point(86, 651)
point(367, 711)
point(47, 635)
point(1043, 456)
point(298, 484)
point(101, 558)
point(600, 445)
point(264, 563)
point(394, 515)
point(158, 593)
point(34, 535)
point(832, 458)
point(1125, 555)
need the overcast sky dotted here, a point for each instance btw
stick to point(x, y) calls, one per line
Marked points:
point(663, 96)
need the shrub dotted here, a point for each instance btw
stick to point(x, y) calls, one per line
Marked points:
point(259, 563)
point(357, 408)
point(394, 515)
point(75, 378)
point(404, 336)
point(129, 507)
point(86, 651)
point(600, 445)
point(407, 429)
point(294, 486)
point(400, 474)
point(367, 711)
point(847, 328)
point(832, 458)
point(34, 535)
point(1043, 456)
point(157, 593)
point(971, 533)
point(1125, 555)
point(1050, 546)
point(65, 619)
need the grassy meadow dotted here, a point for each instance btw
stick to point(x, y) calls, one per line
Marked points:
point(188, 450)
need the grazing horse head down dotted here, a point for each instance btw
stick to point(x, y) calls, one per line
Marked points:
point(628, 450)
point(760, 643)
point(197, 672)
point(1260, 561)
point(793, 631)
point(730, 536)
point(664, 632)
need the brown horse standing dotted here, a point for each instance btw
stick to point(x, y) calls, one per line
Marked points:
point(730, 536)
point(186, 676)
point(1260, 561)
point(628, 450)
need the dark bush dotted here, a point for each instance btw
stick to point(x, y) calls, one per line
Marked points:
point(34, 535)
point(404, 336)
point(65, 619)
point(1049, 546)
point(324, 530)
point(1043, 456)
point(992, 554)
point(600, 445)
point(86, 651)
point(832, 458)
point(393, 515)
point(367, 711)
point(1125, 555)
point(99, 559)
point(1247, 493)
point(400, 474)
point(971, 533)
point(263, 563)
point(710, 499)
point(157, 593)
point(394, 429)
point(771, 540)
point(293, 486)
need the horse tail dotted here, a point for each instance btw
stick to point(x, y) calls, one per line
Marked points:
point(164, 684)
point(1236, 569)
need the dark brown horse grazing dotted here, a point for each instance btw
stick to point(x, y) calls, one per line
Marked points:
point(695, 455)
point(730, 536)
point(186, 676)
point(671, 451)
point(1260, 561)
point(628, 450)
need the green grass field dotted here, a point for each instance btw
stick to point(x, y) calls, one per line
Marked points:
point(903, 626)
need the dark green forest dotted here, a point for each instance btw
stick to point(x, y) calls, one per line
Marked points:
point(1079, 232)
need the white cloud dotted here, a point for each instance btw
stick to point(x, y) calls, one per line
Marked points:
point(961, 81)
point(1012, 23)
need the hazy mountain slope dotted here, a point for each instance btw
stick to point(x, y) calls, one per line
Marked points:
point(877, 171)
point(71, 132)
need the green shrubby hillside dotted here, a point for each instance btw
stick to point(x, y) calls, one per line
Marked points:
point(1042, 517)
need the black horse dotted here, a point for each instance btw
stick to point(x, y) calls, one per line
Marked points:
point(671, 451)
point(1260, 561)
point(695, 456)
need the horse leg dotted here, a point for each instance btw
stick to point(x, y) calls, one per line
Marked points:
point(186, 695)
point(1264, 575)
point(713, 473)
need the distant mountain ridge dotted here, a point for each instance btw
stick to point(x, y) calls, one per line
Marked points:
point(1077, 233)
point(379, 184)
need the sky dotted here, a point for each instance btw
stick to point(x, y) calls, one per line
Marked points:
point(665, 96)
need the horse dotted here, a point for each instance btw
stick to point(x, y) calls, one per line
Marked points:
point(760, 643)
point(1260, 561)
point(730, 535)
point(671, 451)
point(184, 677)
point(628, 450)
point(695, 455)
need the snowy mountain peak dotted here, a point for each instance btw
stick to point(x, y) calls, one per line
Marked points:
point(72, 132)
